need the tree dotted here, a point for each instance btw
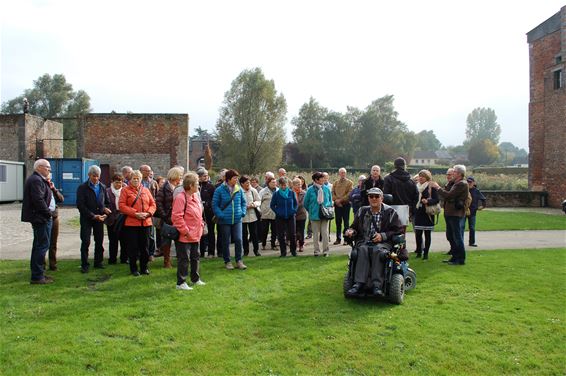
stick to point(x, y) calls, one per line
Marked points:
point(308, 132)
point(251, 127)
point(483, 152)
point(338, 138)
point(427, 141)
point(510, 154)
point(201, 133)
point(53, 97)
point(481, 124)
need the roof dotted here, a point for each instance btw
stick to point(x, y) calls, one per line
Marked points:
point(420, 154)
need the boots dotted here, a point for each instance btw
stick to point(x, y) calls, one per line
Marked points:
point(425, 255)
point(166, 250)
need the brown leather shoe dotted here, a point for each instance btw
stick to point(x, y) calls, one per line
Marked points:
point(337, 242)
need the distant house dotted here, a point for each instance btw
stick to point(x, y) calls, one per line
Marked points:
point(424, 158)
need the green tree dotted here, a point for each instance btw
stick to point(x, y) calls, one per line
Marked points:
point(251, 127)
point(427, 141)
point(481, 124)
point(337, 137)
point(53, 97)
point(483, 152)
point(308, 132)
point(510, 154)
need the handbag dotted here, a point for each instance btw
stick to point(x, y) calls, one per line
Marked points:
point(169, 231)
point(121, 218)
point(432, 210)
point(326, 212)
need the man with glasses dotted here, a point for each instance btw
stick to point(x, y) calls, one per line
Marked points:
point(37, 208)
point(372, 231)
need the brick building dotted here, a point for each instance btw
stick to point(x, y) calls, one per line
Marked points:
point(26, 137)
point(116, 140)
point(547, 108)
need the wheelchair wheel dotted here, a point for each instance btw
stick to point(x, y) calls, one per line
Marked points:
point(348, 283)
point(397, 289)
point(410, 280)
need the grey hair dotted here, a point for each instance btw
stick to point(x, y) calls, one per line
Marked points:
point(376, 166)
point(362, 177)
point(38, 163)
point(342, 169)
point(94, 169)
point(270, 174)
point(461, 169)
point(127, 169)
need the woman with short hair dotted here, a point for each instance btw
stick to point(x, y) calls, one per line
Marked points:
point(318, 194)
point(164, 201)
point(267, 215)
point(250, 220)
point(423, 223)
point(301, 216)
point(187, 219)
point(284, 204)
point(137, 203)
point(114, 238)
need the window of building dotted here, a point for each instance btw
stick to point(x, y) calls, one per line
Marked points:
point(3, 177)
point(557, 78)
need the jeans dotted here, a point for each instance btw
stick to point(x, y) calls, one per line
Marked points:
point(472, 229)
point(186, 252)
point(454, 228)
point(41, 239)
point(227, 232)
point(89, 227)
point(342, 215)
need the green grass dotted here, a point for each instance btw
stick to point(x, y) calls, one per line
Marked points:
point(502, 313)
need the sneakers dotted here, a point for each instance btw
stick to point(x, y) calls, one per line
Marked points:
point(184, 286)
point(240, 265)
point(229, 266)
point(199, 283)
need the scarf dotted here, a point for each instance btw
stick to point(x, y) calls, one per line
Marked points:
point(284, 192)
point(421, 188)
point(297, 191)
point(320, 194)
point(116, 194)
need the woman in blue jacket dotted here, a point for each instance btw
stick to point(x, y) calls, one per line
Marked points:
point(229, 206)
point(318, 194)
point(284, 204)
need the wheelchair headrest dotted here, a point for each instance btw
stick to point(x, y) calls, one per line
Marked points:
point(388, 198)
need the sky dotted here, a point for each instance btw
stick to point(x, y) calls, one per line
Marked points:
point(440, 59)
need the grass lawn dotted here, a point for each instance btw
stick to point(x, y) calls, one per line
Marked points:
point(502, 313)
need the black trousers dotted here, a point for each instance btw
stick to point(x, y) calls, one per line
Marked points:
point(286, 229)
point(89, 228)
point(249, 232)
point(187, 252)
point(208, 241)
point(300, 224)
point(265, 224)
point(136, 239)
point(342, 215)
point(113, 240)
point(419, 240)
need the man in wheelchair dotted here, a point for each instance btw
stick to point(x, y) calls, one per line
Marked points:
point(372, 233)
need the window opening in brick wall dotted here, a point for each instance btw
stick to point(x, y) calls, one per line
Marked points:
point(3, 177)
point(558, 82)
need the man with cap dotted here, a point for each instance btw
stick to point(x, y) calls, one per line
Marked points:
point(206, 189)
point(400, 184)
point(372, 232)
point(477, 196)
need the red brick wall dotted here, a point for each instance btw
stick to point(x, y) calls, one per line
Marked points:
point(547, 117)
point(159, 140)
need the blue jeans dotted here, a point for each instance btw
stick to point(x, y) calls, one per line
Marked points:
point(229, 232)
point(41, 240)
point(454, 230)
point(472, 229)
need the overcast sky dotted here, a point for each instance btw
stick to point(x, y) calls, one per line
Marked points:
point(440, 59)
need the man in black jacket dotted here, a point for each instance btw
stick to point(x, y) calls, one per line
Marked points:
point(400, 184)
point(92, 202)
point(206, 189)
point(373, 230)
point(37, 208)
point(373, 181)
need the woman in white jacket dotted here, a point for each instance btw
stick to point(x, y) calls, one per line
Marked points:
point(267, 215)
point(250, 220)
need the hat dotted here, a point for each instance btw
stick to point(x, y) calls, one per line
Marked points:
point(470, 179)
point(375, 191)
point(201, 171)
point(399, 163)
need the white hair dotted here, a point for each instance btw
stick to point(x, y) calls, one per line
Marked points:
point(460, 169)
point(362, 177)
point(269, 174)
point(94, 170)
point(342, 169)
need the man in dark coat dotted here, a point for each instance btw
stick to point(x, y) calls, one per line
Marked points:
point(400, 184)
point(373, 181)
point(92, 202)
point(206, 189)
point(37, 208)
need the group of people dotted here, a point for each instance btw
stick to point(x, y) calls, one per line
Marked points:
point(236, 209)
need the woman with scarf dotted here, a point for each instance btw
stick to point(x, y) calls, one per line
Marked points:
point(113, 193)
point(301, 216)
point(318, 195)
point(267, 215)
point(250, 220)
point(423, 222)
point(284, 204)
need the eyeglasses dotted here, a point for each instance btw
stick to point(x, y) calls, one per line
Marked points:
point(374, 196)
point(47, 167)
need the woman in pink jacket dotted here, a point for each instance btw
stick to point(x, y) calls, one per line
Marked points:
point(187, 218)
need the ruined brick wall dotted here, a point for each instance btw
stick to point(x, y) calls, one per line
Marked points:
point(25, 138)
point(547, 109)
point(159, 140)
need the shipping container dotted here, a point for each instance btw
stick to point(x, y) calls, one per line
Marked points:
point(11, 181)
point(68, 174)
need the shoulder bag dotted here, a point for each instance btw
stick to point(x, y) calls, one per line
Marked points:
point(170, 232)
point(432, 210)
point(214, 218)
point(121, 218)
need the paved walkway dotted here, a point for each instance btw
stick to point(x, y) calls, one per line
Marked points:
point(16, 237)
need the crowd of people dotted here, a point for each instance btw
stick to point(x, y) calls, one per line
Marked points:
point(141, 211)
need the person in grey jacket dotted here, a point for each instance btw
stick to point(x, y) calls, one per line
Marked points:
point(250, 220)
point(267, 215)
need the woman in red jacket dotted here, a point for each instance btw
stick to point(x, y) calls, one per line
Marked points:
point(187, 218)
point(137, 204)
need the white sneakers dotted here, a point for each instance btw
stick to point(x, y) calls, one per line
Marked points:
point(184, 286)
